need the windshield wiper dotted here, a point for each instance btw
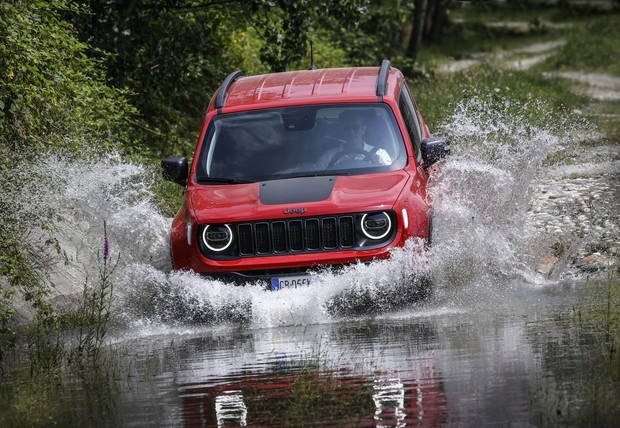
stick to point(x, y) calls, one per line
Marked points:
point(224, 180)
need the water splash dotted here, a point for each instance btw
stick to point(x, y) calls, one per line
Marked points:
point(483, 192)
point(480, 238)
point(184, 297)
point(116, 194)
point(89, 196)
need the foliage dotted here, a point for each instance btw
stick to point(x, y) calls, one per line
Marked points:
point(325, 396)
point(94, 314)
point(173, 54)
point(309, 390)
point(284, 25)
point(24, 256)
point(16, 267)
point(599, 310)
point(30, 403)
point(601, 305)
point(381, 33)
point(52, 95)
point(48, 347)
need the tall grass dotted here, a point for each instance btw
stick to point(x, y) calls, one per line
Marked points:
point(60, 346)
point(94, 313)
point(597, 314)
point(55, 339)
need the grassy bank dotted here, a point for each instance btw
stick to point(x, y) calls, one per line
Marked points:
point(598, 313)
point(589, 46)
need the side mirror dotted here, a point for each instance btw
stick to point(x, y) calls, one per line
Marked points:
point(175, 170)
point(434, 149)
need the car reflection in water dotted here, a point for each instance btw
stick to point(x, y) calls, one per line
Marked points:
point(230, 409)
point(389, 398)
point(411, 397)
point(418, 400)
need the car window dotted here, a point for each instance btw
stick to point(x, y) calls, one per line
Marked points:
point(412, 121)
point(302, 140)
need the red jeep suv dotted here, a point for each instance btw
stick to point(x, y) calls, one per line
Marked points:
point(303, 169)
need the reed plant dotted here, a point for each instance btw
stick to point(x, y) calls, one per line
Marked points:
point(56, 338)
point(61, 346)
point(95, 310)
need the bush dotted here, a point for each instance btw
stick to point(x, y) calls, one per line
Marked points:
point(51, 93)
point(52, 96)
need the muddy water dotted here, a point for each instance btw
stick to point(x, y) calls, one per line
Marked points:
point(495, 344)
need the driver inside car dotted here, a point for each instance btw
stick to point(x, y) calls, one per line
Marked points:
point(352, 146)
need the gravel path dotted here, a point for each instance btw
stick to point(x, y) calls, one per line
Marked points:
point(575, 204)
point(510, 58)
point(594, 85)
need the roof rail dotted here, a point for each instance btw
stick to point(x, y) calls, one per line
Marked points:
point(382, 79)
point(221, 94)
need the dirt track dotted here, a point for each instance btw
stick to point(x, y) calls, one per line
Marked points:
point(576, 202)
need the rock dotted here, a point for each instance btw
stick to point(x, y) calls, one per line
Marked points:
point(592, 262)
point(594, 258)
point(546, 265)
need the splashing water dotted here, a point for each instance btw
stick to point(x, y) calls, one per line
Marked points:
point(188, 298)
point(482, 194)
point(108, 191)
point(481, 197)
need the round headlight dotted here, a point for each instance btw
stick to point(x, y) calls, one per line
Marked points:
point(377, 225)
point(217, 238)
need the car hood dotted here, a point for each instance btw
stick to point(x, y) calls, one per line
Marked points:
point(312, 196)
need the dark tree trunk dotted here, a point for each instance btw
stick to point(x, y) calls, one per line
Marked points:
point(439, 20)
point(415, 41)
point(431, 7)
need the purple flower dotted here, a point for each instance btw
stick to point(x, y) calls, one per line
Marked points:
point(106, 244)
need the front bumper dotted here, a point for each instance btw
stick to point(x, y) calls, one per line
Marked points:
point(264, 277)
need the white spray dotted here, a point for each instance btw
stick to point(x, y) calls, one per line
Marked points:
point(481, 197)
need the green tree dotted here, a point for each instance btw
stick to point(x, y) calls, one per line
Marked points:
point(51, 93)
point(381, 32)
point(52, 96)
point(430, 18)
point(173, 54)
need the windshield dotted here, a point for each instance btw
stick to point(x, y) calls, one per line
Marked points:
point(270, 144)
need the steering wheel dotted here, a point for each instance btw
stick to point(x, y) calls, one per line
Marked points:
point(347, 152)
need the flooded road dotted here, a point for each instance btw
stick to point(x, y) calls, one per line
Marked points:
point(513, 356)
point(434, 365)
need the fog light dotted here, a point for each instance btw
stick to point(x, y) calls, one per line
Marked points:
point(217, 238)
point(377, 225)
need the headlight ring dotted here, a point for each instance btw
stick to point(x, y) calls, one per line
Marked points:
point(376, 226)
point(217, 238)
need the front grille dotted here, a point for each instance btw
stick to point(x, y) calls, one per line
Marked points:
point(295, 235)
point(298, 235)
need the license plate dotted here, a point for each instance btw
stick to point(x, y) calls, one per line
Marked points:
point(289, 282)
